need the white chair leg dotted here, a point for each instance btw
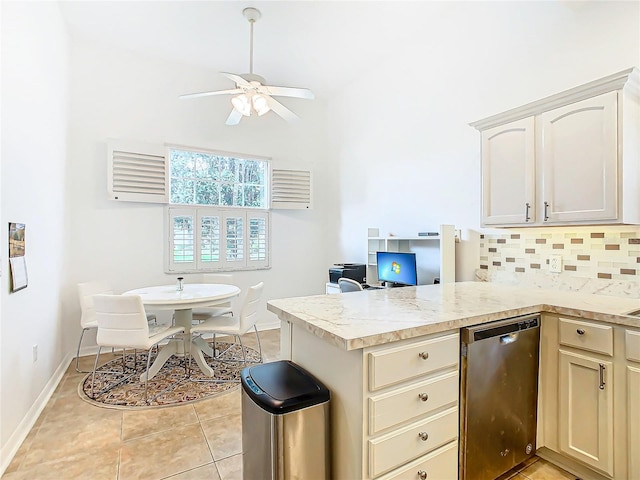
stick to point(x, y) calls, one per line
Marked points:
point(78, 353)
point(259, 345)
point(244, 355)
point(93, 377)
point(146, 380)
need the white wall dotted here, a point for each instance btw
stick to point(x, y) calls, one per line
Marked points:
point(123, 95)
point(401, 146)
point(35, 98)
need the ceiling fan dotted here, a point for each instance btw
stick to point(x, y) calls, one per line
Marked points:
point(252, 95)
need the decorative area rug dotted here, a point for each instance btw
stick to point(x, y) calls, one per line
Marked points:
point(130, 394)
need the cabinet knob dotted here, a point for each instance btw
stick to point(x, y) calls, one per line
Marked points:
point(422, 475)
point(526, 212)
point(423, 396)
point(423, 355)
point(580, 331)
point(424, 436)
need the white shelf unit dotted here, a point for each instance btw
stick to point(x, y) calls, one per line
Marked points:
point(443, 261)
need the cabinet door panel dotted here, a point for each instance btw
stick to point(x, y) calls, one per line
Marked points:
point(580, 160)
point(508, 177)
point(633, 400)
point(586, 410)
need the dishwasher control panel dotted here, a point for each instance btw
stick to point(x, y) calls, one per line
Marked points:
point(499, 328)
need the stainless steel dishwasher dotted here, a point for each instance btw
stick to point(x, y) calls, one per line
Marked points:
point(498, 396)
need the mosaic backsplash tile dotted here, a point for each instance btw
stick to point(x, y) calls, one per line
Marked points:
point(609, 255)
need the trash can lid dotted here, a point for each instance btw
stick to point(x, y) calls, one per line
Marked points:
point(282, 387)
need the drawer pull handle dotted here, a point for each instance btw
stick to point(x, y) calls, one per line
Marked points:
point(546, 211)
point(424, 436)
point(423, 396)
point(580, 331)
point(423, 355)
point(422, 475)
point(601, 386)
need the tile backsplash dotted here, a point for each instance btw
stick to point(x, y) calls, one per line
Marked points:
point(593, 258)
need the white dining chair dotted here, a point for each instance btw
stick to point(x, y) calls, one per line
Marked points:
point(205, 313)
point(86, 291)
point(242, 321)
point(122, 323)
point(348, 285)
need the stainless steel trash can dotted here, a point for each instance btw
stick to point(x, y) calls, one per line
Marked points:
point(285, 423)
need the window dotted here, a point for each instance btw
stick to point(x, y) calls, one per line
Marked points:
point(217, 218)
point(201, 178)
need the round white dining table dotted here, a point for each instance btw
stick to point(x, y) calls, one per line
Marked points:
point(192, 295)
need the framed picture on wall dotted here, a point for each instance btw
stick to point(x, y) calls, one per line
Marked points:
point(17, 260)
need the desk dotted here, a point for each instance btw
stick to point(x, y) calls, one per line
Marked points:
point(194, 295)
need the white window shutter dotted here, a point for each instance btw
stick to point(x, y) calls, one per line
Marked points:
point(137, 172)
point(290, 189)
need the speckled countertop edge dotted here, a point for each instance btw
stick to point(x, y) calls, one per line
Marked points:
point(362, 319)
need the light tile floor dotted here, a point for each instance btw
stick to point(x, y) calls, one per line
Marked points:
point(75, 440)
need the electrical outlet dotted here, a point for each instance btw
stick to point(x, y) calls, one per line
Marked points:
point(555, 263)
point(35, 353)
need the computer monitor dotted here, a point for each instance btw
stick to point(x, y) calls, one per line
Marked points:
point(397, 268)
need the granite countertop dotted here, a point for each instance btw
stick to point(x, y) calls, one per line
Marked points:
point(362, 319)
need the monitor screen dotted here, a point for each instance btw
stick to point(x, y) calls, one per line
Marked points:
point(397, 267)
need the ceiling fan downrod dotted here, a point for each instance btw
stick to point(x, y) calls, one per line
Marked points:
point(252, 15)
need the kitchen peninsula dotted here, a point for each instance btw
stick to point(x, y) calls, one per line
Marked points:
point(390, 358)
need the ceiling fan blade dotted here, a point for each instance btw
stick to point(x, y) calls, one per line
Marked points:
point(217, 92)
point(290, 92)
point(237, 78)
point(234, 117)
point(281, 110)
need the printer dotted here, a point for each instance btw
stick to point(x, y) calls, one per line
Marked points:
point(354, 271)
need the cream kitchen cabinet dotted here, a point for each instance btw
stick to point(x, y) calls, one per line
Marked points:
point(571, 158)
point(632, 341)
point(394, 406)
point(579, 160)
point(508, 173)
point(586, 411)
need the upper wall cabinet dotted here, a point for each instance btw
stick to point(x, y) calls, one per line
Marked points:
point(508, 173)
point(572, 158)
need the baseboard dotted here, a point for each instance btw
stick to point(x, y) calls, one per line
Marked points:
point(269, 325)
point(14, 442)
point(9, 450)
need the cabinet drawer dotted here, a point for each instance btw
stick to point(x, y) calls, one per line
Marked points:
point(442, 464)
point(394, 449)
point(403, 404)
point(586, 335)
point(394, 365)
point(632, 341)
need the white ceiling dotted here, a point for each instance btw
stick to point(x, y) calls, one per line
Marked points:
point(315, 44)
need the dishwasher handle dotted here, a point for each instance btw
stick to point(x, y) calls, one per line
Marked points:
point(502, 328)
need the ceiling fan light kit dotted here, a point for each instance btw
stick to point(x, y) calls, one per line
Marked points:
point(252, 95)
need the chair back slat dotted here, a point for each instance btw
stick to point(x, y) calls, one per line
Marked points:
point(122, 321)
point(249, 312)
point(86, 291)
